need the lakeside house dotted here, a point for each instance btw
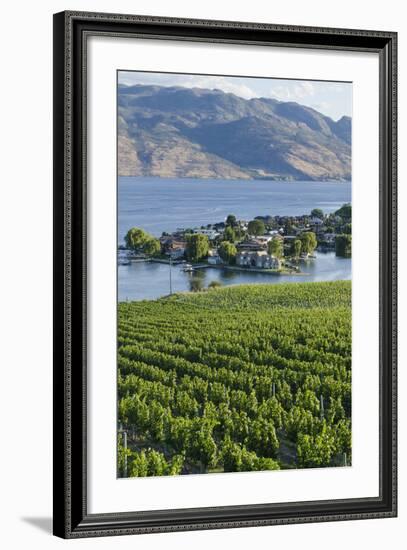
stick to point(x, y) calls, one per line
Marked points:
point(252, 251)
point(316, 225)
point(327, 241)
point(329, 238)
point(259, 259)
point(251, 245)
point(177, 253)
point(259, 242)
point(290, 238)
point(263, 240)
point(173, 245)
point(214, 258)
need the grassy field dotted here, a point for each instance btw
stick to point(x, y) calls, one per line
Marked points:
point(251, 377)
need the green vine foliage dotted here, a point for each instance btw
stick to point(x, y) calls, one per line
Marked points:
point(245, 378)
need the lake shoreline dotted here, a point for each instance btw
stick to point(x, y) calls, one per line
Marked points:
point(214, 178)
point(274, 272)
point(168, 204)
point(197, 267)
point(146, 280)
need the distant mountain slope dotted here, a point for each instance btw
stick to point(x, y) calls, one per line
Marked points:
point(184, 132)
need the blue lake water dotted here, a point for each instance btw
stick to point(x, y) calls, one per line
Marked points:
point(157, 205)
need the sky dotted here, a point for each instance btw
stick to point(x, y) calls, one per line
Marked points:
point(333, 99)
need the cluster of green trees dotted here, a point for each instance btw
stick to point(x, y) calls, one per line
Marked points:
point(229, 380)
point(308, 242)
point(343, 245)
point(275, 247)
point(256, 228)
point(305, 243)
point(227, 251)
point(345, 212)
point(140, 241)
point(339, 222)
point(197, 246)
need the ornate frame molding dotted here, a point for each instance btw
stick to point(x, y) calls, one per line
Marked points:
point(71, 30)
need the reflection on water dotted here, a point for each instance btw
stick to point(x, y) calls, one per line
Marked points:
point(147, 281)
point(165, 204)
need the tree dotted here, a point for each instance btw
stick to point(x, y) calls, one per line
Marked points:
point(256, 227)
point(231, 221)
point(347, 228)
point(317, 213)
point(308, 242)
point(214, 284)
point(229, 234)
point(227, 251)
point(275, 247)
point(345, 212)
point(343, 245)
point(152, 247)
point(197, 246)
point(136, 238)
point(296, 248)
point(196, 284)
point(140, 240)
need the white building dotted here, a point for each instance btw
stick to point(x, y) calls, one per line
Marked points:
point(177, 253)
point(263, 239)
point(210, 233)
point(329, 237)
point(214, 260)
point(243, 258)
point(259, 259)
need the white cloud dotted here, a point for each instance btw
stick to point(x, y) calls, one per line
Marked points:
point(292, 90)
point(226, 84)
point(321, 106)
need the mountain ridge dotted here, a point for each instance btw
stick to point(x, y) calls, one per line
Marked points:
point(197, 132)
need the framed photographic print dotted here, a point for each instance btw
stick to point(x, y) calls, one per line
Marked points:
point(225, 274)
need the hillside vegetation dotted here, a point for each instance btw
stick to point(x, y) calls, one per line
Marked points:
point(252, 377)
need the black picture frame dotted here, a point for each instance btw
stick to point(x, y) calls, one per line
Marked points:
point(71, 519)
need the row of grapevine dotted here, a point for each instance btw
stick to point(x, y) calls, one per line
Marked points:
point(243, 378)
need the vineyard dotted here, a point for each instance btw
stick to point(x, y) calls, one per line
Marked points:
point(251, 377)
